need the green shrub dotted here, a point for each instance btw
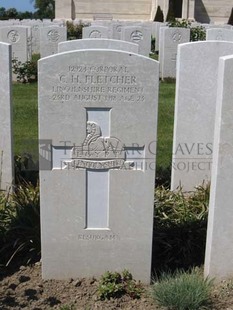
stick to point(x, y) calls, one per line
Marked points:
point(74, 32)
point(26, 72)
point(196, 33)
point(20, 226)
point(180, 223)
point(179, 23)
point(115, 285)
point(183, 291)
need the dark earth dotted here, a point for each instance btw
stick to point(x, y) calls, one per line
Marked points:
point(25, 289)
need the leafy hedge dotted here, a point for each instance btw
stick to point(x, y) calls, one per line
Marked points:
point(180, 224)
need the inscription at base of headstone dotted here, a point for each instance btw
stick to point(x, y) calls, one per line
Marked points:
point(99, 108)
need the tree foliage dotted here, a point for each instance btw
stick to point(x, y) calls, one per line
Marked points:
point(12, 13)
point(45, 8)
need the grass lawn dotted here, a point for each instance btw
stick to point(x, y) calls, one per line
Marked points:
point(26, 121)
point(25, 118)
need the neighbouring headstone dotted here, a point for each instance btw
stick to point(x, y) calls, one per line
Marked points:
point(195, 108)
point(49, 39)
point(219, 34)
point(158, 25)
point(170, 38)
point(93, 32)
point(97, 161)
point(19, 38)
point(97, 43)
point(116, 29)
point(35, 30)
point(138, 35)
point(6, 153)
point(219, 247)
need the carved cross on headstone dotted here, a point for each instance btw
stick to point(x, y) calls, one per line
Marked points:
point(98, 154)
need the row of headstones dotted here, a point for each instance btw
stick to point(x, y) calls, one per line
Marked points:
point(167, 39)
point(37, 37)
point(32, 39)
point(104, 162)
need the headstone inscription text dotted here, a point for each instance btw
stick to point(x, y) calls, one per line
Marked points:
point(90, 104)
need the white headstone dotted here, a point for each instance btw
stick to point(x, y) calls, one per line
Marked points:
point(93, 32)
point(35, 31)
point(116, 29)
point(170, 38)
point(6, 154)
point(97, 43)
point(219, 247)
point(138, 35)
point(158, 25)
point(49, 39)
point(219, 34)
point(94, 216)
point(195, 106)
point(19, 38)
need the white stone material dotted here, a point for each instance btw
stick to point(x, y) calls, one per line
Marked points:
point(219, 247)
point(170, 38)
point(98, 109)
point(19, 38)
point(158, 25)
point(94, 32)
point(49, 39)
point(6, 153)
point(195, 107)
point(35, 34)
point(97, 43)
point(138, 35)
point(219, 34)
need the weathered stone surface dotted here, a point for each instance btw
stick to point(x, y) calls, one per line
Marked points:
point(6, 153)
point(20, 39)
point(140, 36)
point(49, 39)
point(94, 32)
point(219, 34)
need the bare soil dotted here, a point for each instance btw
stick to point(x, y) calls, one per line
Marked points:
point(25, 289)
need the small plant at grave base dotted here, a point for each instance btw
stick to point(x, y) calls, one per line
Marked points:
point(180, 224)
point(26, 72)
point(115, 285)
point(20, 218)
point(183, 291)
